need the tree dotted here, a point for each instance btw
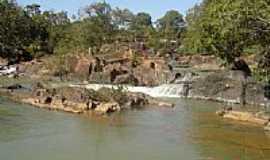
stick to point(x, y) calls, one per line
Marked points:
point(99, 15)
point(171, 24)
point(15, 31)
point(57, 22)
point(33, 10)
point(192, 37)
point(141, 26)
point(222, 29)
point(141, 20)
point(228, 28)
point(99, 9)
point(122, 18)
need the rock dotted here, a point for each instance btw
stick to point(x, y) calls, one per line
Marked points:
point(15, 86)
point(263, 115)
point(165, 104)
point(152, 72)
point(241, 65)
point(81, 66)
point(79, 106)
point(80, 100)
point(229, 87)
point(136, 100)
point(126, 79)
point(245, 117)
point(104, 108)
point(221, 113)
point(267, 127)
point(46, 100)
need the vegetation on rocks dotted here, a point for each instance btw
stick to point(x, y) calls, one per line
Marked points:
point(226, 29)
point(230, 29)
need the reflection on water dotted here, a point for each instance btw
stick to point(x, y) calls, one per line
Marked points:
point(191, 131)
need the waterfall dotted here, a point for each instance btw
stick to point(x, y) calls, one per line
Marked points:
point(166, 90)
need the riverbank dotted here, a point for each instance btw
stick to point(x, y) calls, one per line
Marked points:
point(143, 77)
point(247, 115)
point(79, 100)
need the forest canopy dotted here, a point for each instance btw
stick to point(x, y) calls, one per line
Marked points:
point(227, 29)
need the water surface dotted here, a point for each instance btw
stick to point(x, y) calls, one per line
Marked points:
point(191, 131)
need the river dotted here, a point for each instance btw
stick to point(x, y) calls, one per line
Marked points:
point(191, 131)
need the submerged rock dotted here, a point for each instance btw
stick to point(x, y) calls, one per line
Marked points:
point(259, 118)
point(267, 128)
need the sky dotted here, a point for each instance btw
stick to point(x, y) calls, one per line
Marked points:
point(156, 8)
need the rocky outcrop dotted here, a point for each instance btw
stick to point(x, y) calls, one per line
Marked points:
point(107, 108)
point(229, 87)
point(202, 62)
point(79, 100)
point(267, 128)
point(141, 72)
point(125, 69)
point(259, 118)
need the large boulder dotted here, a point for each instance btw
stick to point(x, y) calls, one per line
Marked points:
point(153, 72)
point(147, 72)
point(126, 79)
point(75, 100)
point(81, 66)
point(104, 108)
point(229, 86)
point(220, 85)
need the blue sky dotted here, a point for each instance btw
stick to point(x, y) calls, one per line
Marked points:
point(156, 8)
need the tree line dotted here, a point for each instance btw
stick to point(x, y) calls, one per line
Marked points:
point(28, 30)
point(226, 29)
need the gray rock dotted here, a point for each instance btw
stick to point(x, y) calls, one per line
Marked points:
point(267, 128)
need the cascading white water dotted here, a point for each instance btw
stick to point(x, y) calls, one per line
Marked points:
point(165, 90)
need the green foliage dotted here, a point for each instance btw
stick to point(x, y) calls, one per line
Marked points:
point(122, 18)
point(46, 32)
point(227, 28)
point(15, 30)
point(26, 32)
point(171, 25)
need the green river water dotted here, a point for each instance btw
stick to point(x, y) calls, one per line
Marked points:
point(191, 131)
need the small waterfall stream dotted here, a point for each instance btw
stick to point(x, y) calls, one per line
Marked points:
point(166, 90)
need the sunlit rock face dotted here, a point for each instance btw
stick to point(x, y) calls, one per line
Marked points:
point(142, 72)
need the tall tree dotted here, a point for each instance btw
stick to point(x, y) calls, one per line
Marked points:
point(141, 26)
point(141, 20)
point(15, 31)
point(122, 18)
point(171, 24)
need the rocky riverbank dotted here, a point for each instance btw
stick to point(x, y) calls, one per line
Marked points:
point(124, 69)
point(79, 100)
point(259, 118)
point(230, 87)
point(208, 83)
